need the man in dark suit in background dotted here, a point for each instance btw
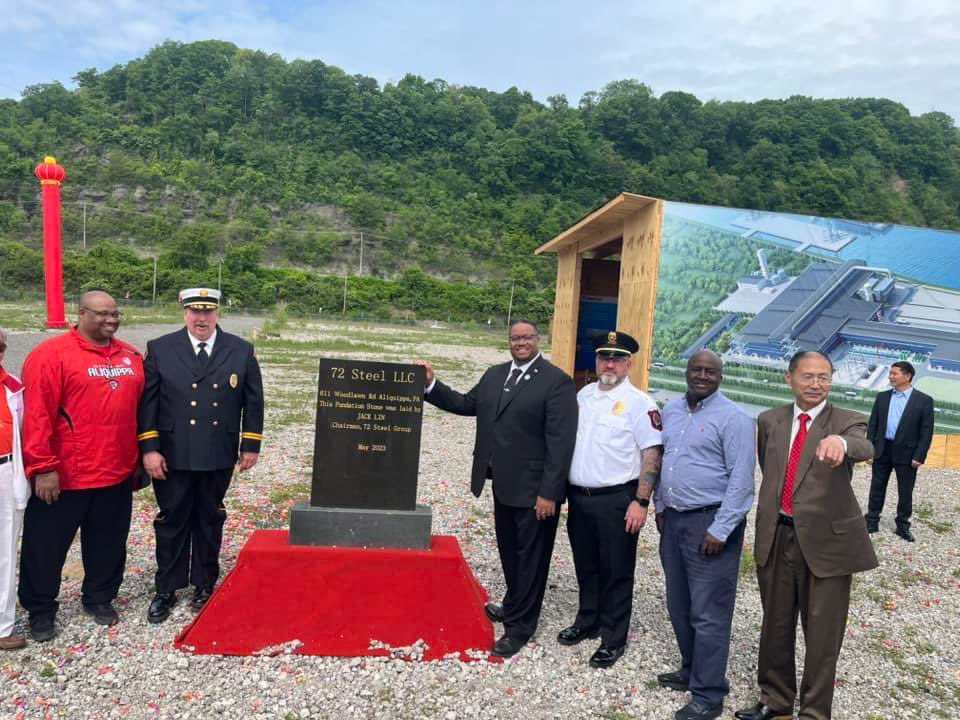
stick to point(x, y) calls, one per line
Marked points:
point(202, 403)
point(526, 412)
point(810, 539)
point(901, 428)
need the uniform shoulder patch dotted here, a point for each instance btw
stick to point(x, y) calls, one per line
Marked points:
point(655, 420)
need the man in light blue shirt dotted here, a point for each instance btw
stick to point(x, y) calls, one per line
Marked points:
point(706, 489)
point(901, 430)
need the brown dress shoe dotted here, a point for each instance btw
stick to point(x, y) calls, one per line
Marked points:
point(12, 642)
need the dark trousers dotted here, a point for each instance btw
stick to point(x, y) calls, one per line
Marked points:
point(103, 517)
point(604, 556)
point(788, 589)
point(906, 479)
point(525, 545)
point(701, 593)
point(189, 527)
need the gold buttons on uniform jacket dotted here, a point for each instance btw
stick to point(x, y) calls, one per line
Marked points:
point(194, 386)
point(216, 404)
point(215, 422)
point(192, 421)
point(215, 386)
point(193, 403)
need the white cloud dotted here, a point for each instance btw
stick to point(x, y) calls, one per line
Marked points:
point(737, 49)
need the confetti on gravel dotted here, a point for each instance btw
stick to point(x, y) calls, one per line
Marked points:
point(901, 657)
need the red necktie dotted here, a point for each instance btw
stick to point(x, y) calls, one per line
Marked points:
point(786, 500)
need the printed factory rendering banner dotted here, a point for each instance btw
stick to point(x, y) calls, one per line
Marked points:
point(757, 286)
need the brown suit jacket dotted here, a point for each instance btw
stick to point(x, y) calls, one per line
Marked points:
point(829, 524)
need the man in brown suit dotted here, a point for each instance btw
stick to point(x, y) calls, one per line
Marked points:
point(810, 539)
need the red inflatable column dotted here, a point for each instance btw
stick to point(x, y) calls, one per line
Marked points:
point(51, 176)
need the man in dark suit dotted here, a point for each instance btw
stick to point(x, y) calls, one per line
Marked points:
point(810, 539)
point(901, 428)
point(202, 402)
point(526, 412)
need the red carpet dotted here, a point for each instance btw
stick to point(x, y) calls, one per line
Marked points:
point(336, 601)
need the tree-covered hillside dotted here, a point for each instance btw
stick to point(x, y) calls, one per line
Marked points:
point(205, 152)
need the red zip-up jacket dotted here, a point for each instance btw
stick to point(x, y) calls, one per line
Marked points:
point(80, 411)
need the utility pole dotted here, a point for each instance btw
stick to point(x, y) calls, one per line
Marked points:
point(344, 294)
point(510, 308)
point(154, 280)
point(84, 224)
point(361, 253)
point(220, 277)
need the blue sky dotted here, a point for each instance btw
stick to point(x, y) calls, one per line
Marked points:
point(722, 49)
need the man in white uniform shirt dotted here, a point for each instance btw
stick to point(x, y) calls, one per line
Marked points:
point(616, 466)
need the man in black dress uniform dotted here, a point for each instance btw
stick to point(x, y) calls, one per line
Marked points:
point(201, 405)
point(526, 412)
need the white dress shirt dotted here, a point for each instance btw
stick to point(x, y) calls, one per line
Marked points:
point(814, 413)
point(209, 343)
point(613, 427)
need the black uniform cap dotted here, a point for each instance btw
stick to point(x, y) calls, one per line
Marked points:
point(615, 343)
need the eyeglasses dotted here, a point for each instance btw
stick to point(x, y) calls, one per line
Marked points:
point(811, 380)
point(615, 359)
point(103, 314)
point(523, 338)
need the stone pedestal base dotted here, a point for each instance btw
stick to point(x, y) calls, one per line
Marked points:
point(356, 527)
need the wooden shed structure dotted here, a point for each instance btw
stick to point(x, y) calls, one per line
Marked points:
point(607, 277)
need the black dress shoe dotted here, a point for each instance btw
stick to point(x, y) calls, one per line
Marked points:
point(161, 606)
point(673, 680)
point(904, 533)
point(763, 712)
point(43, 629)
point(872, 525)
point(573, 635)
point(200, 597)
point(699, 711)
point(493, 612)
point(507, 646)
point(606, 657)
point(102, 613)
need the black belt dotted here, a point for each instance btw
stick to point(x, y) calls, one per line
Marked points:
point(704, 509)
point(4, 459)
point(784, 520)
point(605, 490)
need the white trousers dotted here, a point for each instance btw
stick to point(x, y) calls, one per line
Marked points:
point(11, 520)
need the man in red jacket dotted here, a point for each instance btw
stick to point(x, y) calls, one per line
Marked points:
point(80, 451)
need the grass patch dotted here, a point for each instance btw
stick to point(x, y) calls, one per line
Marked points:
point(924, 515)
point(316, 346)
point(617, 714)
point(282, 495)
point(748, 562)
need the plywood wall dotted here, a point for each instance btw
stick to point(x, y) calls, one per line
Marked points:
point(566, 310)
point(639, 269)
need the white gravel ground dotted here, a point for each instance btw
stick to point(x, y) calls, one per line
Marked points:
point(901, 657)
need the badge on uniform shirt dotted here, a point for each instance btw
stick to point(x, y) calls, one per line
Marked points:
point(234, 380)
point(655, 420)
point(619, 408)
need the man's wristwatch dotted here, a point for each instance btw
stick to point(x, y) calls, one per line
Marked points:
point(643, 502)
